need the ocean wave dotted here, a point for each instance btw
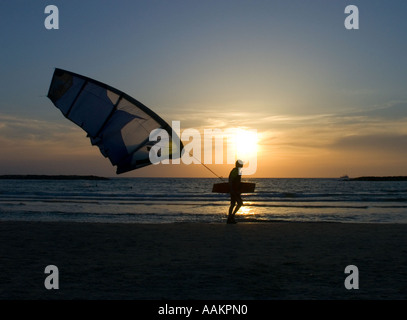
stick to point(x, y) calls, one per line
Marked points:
point(180, 200)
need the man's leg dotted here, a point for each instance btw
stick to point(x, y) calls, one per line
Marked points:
point(232, 204)
point(239, 204)
point(236, 209)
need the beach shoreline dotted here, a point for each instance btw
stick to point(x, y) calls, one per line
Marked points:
point(183, 261)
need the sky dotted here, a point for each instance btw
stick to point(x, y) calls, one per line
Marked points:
point(325, 101)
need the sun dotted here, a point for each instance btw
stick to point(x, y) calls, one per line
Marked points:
point(246, 144)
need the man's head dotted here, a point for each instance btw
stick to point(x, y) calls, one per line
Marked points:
point(239, 164)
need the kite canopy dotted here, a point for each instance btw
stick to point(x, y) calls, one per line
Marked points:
point(117, 123)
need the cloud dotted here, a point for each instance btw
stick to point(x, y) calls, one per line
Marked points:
point(38, 146)
point(377, 127)
point(38, 138)
point(391, 111)
point(378, 134)
point(383, 143)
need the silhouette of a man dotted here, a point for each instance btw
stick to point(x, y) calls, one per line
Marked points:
point(234, 185)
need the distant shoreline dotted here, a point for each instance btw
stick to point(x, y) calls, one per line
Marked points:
point(92, 177)
point(49, 177)
point(372, 178)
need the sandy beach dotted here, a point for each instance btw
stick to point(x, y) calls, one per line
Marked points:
point(202, 261)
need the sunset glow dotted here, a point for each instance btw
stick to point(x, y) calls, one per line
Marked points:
point(324, 100)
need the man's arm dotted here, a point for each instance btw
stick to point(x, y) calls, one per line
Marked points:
point(235, 182)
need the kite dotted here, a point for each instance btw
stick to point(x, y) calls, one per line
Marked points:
point(122, 127)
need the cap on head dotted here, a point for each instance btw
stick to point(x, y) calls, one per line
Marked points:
point(239, 163)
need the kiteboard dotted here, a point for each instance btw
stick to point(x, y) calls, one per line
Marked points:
point(245, 187)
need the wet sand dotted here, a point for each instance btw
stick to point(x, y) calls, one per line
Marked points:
point(203, 261)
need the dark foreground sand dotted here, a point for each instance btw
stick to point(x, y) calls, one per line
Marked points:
point(203, 261)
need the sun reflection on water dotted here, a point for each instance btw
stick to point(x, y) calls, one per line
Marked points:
point(246, 209)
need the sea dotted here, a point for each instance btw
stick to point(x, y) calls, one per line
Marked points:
point(186, 200)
